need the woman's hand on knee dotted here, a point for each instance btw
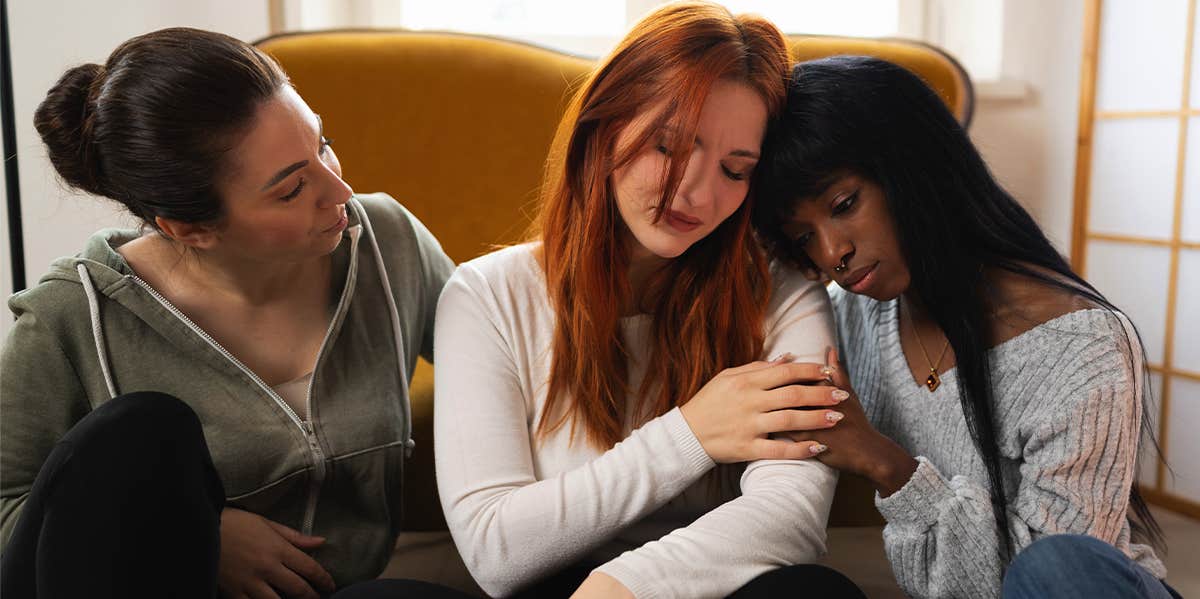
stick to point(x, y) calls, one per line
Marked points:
point(735, 414)
point(265, 559)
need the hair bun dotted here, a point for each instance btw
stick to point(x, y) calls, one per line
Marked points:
point(64, 121)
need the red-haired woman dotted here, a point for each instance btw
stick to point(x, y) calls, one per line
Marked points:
point(592, 384)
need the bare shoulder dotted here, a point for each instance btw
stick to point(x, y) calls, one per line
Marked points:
point(1021, 302)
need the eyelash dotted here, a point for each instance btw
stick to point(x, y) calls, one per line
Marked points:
point(325, 143)
point(295, 192)
point(840, 208)
point(734, 176)
point(846, 204)
point(662, 149)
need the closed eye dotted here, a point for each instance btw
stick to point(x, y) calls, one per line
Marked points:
point(846, 204)
point(296, 191)
point(734, 175)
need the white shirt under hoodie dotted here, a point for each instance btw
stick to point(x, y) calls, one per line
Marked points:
point(521, 508)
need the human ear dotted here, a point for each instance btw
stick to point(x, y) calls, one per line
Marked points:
point(200, 236)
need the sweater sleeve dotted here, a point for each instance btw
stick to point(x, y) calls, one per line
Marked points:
point(1077, 464)
point(780, 517)
point(40, 399)
point(510, 527)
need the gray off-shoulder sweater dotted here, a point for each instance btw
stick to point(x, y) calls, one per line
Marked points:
point(1068, 414)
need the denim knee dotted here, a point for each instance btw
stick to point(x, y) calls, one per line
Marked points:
point(1065, 547)
point(1071, 565)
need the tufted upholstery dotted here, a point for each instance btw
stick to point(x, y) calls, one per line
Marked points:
point(457, 127)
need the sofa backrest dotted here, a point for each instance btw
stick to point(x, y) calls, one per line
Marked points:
point(457, 127)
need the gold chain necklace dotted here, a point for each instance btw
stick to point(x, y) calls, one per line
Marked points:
point(933, 381)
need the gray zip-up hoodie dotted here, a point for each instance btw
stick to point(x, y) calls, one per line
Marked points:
point(91, 330)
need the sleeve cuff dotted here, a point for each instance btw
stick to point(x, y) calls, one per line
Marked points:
point(918, 500)
point(689, 446)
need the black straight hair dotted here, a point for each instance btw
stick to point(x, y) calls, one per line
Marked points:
point(953, 219)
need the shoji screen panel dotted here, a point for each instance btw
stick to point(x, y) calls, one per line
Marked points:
point(1137, 210)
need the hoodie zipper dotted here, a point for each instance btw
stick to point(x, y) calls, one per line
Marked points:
point(314, 490)
point(305, 426)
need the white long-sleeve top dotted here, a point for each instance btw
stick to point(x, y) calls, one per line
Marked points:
point(521, 507)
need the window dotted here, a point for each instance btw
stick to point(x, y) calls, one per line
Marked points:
point(970, 31)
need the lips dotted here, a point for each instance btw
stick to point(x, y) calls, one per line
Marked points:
point(857, 278)
point(680, 221)
point(339, 225)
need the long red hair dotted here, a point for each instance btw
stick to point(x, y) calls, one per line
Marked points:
point(711, 299)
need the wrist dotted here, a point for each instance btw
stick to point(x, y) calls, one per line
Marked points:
point(893, 470)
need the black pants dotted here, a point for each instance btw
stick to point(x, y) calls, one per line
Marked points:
point(128, 504)
point(804, 580)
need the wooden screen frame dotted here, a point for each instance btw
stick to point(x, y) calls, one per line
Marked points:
point(1081, 235)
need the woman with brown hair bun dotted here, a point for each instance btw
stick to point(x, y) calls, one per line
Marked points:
point(218, 400)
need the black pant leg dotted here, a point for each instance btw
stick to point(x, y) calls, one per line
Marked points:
point(128, 504)
point(389, 588)
point(560, 584)
point(802, 580)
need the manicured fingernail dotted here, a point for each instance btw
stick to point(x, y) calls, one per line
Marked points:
point(818, 448)
point(834, 416)
point(826, 371)
point(784, 357)
point(839, 395)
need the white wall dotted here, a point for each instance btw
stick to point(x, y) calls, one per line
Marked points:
point(49, 36)
point(1030, 143)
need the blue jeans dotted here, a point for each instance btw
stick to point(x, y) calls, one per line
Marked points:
point(1068, 566)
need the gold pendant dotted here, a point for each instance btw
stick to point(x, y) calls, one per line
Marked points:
point(933, 382)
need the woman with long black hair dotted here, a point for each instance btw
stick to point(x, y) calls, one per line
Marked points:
point(1001, 394)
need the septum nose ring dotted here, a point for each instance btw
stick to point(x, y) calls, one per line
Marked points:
point(841, 267)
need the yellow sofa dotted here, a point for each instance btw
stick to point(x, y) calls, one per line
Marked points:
point(457, 128)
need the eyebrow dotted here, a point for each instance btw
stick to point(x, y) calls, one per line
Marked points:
point(281, 175)
point(291, 168)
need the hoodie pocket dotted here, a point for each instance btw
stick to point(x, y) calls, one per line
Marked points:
point(280, 501)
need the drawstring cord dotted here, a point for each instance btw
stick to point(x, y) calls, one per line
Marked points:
point(409, 444)
point(97, 330)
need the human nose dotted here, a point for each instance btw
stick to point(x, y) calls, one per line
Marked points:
point(339, 192)
point(696, 188)
point(834, 252)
